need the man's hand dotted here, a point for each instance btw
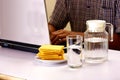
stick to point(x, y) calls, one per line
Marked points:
point(59, 36)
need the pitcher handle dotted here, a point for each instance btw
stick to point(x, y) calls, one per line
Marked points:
point(110, 31)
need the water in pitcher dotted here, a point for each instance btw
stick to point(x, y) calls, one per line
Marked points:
point(96, 50)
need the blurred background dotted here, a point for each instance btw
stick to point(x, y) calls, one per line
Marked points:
point(49, 9)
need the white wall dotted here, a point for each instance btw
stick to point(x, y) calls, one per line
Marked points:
point(49, 7)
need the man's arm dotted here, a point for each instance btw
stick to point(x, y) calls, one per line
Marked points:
point(51, 28)
point(59, 36)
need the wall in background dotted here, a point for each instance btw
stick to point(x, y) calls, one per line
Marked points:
point(49, 9)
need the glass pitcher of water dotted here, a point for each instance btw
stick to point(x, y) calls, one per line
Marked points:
point(96, 40)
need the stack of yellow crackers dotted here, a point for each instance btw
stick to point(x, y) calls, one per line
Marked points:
point(51, 52)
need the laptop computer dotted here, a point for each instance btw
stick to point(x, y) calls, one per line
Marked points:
point(23, 24)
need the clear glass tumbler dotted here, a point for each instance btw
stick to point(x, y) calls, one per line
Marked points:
point(74, 50)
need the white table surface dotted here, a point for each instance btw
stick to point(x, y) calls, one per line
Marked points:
point(24, 65)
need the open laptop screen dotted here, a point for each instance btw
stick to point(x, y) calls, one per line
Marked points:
point(23, 24)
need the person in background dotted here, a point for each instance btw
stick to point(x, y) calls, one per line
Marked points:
point(77, 12)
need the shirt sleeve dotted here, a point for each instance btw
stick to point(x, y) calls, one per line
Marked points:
point(59, 17)
point(117, 18)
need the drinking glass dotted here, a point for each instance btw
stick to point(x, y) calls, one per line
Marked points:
point(74, 50)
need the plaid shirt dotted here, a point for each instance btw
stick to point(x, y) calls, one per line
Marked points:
point(78, 11)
